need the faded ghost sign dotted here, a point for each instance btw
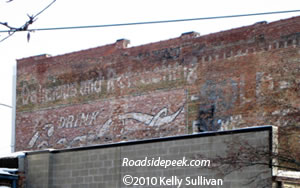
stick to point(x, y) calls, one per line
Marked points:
point(139, 117)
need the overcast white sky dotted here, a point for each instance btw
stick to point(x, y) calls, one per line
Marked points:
point(94, 12)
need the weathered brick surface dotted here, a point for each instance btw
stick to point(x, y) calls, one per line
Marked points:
point(102, 121)
point(236, 78)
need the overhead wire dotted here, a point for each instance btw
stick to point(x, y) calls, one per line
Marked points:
point(156, 22)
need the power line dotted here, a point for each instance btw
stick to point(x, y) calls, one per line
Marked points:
point(5, 105)
point(32, 19)
point(157, 22)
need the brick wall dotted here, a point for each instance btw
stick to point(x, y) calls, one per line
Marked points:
point(105, 121)
point(237, 78)
point(101, 166)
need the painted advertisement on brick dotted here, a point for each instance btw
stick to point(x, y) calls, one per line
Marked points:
point(37, 91)
point(129, 118)
point(246, 80)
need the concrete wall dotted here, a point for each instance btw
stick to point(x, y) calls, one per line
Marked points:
point(237, 78)
point(100, 166)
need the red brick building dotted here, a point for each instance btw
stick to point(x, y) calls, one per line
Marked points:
point(237, 78)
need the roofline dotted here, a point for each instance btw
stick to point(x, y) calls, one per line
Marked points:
point(154, 140)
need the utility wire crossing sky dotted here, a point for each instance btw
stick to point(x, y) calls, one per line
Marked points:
point(156, 22)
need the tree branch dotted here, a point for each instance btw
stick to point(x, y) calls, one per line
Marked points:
point(31, 19)
point(240, 154)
